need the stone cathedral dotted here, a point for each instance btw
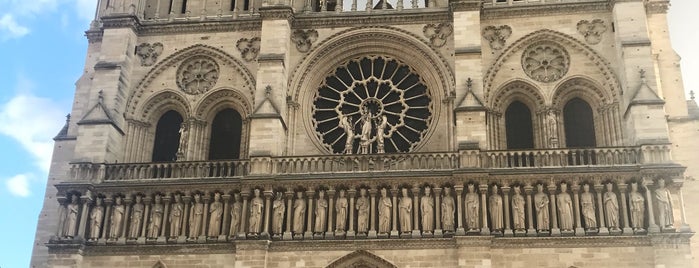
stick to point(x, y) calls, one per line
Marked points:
point(375, 133)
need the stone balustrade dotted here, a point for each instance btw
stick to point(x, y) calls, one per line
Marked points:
point(525, 2)
point(617, 156)
point(352, 209)
point(159, 171)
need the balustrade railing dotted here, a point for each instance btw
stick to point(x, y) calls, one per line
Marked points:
point(522, 2)
point(617, 156)
point(155, 171)
point(359, 163)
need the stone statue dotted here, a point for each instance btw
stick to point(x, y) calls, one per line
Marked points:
point(96, 216)
point(71, 222)
point(638, 207)
point(587, 201)
point(215, 216)
point(565, 208)
point(175, 219)
point(321, 212)
point(447, 211)
point(405, 208)
point(427, 211)
point(156, 218)
point(299, 212)
point(236, 214)
point(136, 217)
point(496, 220)
point(365, 136)
point(611, 207)
point(341, 212)
point(380, 134)
point(662, 195)
point(541, 202)
point(362, 212)
point(196, 217)
point(472, 208)
point(518, 209)
point(256, 206)
point(346, 125)
point(278, 209)
point(117, 218)
point(385, 206)
point(184, 139)
point(552, 124)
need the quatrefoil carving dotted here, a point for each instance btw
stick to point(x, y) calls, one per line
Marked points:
point(304, 39)
point(149, 53)
point(592, 30)
point(438, 33)
point(249, 48)
point(497, 36)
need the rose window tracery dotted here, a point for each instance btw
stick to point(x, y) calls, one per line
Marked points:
point(545, 61)
point(197, 75)
point(372, 105)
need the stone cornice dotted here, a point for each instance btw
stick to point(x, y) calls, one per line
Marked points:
point(571, 242)
point(120, 21)
point(277, 12)
point(465, 5)
point(209, 26)
point(372, 244)
point(657, 7)
point(531, 10)
point(376, 17)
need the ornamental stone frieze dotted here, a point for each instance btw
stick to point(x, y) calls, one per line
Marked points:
point(197, 75)
point(438, 34)
point(497, 36)
point(545, 61)
point(304, 39)
point(149, 53)
point(592, 30)
point(249, 48)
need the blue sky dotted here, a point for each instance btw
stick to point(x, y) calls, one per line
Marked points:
point(42, 52)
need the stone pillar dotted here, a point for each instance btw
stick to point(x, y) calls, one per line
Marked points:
point(437, 212)
point(245, 194)
point(106, 223)
point(553, 213)
point(268, 197)
point(204, 229)
point(459, 210)
point(652, 227)
point(187, 200)
point(529, 191)
point(86, 200)
point(126, 220)
point(416, 212)
point(372, 211)
point(144, 222)
point(599, 189)
point(684, 228)
point(575, 188)
point(309, 215)
point(289, 208)
point(350, 211)
point(225, 220)
point(162, 236)
point(330, 234)
point(483, 189)
point(394, 212)
point(506, 199)
point(624, 209)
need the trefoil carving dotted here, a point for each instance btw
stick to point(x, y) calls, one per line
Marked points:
point(592, 30)
point(149, 53)
point(438, 33)
point(497, 36)
point(249, 48)
point(304, 39)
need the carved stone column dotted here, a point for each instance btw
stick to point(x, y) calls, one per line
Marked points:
point(268, 202)
point(555, 231)
point(437, 215)
point(245, 194)
point(459, 210)
point(187, 200)
point(575, 187)
point(204, 229)
point(416, 212)
point(684, 228)
point(372, 218)
point(126, 220)
point(394, 212)
point(506, 197)
point(652, 227)
point(164, 221)
point(599, 188)
point(289, 208)
point(86, 200)
point(329, 233)
point(309, 215)
point(529, 191)
point(144, 222)
point(624, 209)
point(350, 231)
point(106, 223)
point(225, 220)
point(483, 189)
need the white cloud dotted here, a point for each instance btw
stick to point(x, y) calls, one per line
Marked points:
point(86, 9)
point(32, 121)
point(19, 185)
point(10, 29)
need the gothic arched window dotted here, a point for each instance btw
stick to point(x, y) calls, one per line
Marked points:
point(579, 124)
point(226, 131)
point(167, 137)
point(518, 125)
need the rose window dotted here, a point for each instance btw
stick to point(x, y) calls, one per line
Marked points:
point(545, 62)
point(372, 105)
point(197, 75)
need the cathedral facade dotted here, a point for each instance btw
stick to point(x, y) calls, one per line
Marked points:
point(389, 133)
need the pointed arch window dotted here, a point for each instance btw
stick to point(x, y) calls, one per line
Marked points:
point(579, 124)
point(226, 130)
point(518, 126)
point(167, 137)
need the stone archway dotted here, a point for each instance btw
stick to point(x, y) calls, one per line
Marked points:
point(361, 259)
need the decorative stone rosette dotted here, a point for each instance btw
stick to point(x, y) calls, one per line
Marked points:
point(197, 75)
point(545, 61)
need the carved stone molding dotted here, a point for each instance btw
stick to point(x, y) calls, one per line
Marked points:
point(592, 30)
point(304, 39)
point(249, 48)
point(438, 33)
point(197, 75)
point(149, 53)
point(657, 7)
point(544, 8)
point(497, 36)
point(545, 61)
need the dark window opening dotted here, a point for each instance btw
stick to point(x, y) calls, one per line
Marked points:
point(167, 137)
point(226, 132)
point(518, 125)
point(579, 124)
point(169, 8)
point(246, 5)
point(184, 7)
point(233, 5)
